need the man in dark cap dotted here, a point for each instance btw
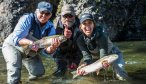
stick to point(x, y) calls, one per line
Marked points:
point(29, 28)
point(67, 56)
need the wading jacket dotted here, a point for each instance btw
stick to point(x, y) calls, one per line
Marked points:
point(69, 47)
point(27, 25)
point(97, 45)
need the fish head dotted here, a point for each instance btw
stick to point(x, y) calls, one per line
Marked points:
point(62, 38)
point(111, 58)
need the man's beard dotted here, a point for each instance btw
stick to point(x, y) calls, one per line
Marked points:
point(69, 23)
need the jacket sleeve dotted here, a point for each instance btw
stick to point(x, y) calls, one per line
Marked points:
point(21, 29)
point(87, 58)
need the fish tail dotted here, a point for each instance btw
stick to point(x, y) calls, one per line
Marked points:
point(74, 74)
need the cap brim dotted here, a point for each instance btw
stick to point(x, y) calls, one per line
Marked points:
point(82, 20)
point(44, 9)
point(67, 12)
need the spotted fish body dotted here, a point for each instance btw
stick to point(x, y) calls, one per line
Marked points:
point(45, 42)
point(97, 65)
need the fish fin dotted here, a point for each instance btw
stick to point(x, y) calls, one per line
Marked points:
point(97, 72)
point(74, 74)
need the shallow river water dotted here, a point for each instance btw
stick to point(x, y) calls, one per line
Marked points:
point(138, 76)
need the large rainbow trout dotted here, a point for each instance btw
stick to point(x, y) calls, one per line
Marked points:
point(97, 65)
point(44, 42)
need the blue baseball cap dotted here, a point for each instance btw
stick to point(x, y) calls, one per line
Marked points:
point(86, 16)
point(45, 6)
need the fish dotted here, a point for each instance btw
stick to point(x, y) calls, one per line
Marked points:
point(44, 42)
point(97, 65)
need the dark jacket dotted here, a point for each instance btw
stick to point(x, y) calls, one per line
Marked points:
point(97, 45)
point(69, 47)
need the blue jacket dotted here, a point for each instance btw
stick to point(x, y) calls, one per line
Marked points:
point(29, 23)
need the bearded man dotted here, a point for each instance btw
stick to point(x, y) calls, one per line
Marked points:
point(67, 56)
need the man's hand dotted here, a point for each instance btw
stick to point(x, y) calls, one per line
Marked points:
point(67, 33)
point(80, 71)
point(33, 46)
point(105, 64)
point(54, 45)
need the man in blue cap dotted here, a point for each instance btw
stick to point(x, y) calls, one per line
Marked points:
point(29, 28)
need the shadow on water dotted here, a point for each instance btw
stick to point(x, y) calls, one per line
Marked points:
point(135, 66)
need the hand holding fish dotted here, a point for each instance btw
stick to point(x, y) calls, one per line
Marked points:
point(33, 46)
point(54, 45)
point(80, 71)
point(50, 43)
point(105, 64)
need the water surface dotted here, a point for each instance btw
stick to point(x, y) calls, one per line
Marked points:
point(134, 55)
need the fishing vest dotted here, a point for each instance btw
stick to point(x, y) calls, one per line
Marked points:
point(35, 30)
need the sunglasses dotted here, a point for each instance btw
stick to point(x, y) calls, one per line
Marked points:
point(45, 13)
point(67, 16)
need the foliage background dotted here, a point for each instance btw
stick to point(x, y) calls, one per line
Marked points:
point(122, 20)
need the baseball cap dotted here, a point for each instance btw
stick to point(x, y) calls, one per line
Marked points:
point(67, 9)
point(86, 16)
point(45, 6)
